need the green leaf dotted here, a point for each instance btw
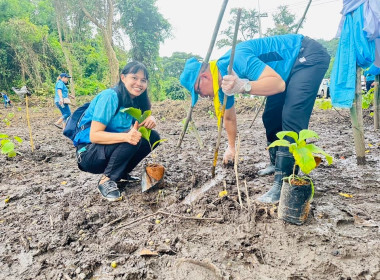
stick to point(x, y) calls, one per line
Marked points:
point(18, 139)
point(281, 142)
point(304, 159)
point(135, 113)
point(145, 133)
point(306, 134)
point(291, 134)
point(12, 154)
point(2, 135)
point(157, 142)
point(146, 114)
point(7, 147)
point(316, 150)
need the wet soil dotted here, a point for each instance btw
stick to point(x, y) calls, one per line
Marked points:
point(55, 225)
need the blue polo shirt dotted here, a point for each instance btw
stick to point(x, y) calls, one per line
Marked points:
point(65, 92)
point(251, 57)
point(102, 109)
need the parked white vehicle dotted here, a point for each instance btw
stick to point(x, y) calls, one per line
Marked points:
point(324, 89)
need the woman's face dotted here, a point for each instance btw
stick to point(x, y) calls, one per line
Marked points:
point(65, 80)
point(136, 84)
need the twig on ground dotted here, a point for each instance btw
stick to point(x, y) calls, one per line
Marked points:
point(168, 214)
point(67, 277)
point(343, 117)
point(51, 223)
point(262, 256)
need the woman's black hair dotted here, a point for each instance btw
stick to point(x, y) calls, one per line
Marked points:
point(142, 101)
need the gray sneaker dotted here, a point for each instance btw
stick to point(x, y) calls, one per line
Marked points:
point(110, 191)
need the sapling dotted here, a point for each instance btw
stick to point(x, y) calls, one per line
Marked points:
point(7, 146)
point(305, 155)
point(298, 191)
point(154, 172)
point(140, 117)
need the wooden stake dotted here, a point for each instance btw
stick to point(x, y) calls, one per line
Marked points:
point(28, 120)
point(225, 96)
point(236, 172)
point(357, 120)
point(205, 61)
point(258, 110)
point(376, 103)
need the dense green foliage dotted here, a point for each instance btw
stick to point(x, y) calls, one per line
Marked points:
point(89, 38)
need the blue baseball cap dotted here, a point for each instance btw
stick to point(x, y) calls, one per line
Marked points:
point(65, 75)
point(189, 77)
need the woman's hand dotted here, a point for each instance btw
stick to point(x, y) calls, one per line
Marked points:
point(134, 136)
point(150, 122)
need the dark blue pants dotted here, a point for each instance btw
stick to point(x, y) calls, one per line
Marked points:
point(115, 160)
point(65, 111)
point(291, 109)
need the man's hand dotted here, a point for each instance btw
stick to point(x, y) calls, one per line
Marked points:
point(232, 84)
point(229, 155)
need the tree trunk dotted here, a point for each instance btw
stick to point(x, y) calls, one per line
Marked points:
point(106, 32)
point(64, 49)
point(357, 120)
point(376, 103)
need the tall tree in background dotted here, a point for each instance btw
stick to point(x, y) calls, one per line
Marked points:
point(146, 29)
point(65, 47)
point(101, 13)
point(248, 27)
point(284, 22)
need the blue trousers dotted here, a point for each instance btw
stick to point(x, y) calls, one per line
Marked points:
point(65, 110)
point(114, 160)
point(291, 109)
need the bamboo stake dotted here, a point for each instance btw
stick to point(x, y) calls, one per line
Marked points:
point(205, 62)
point(357, 120)
point(258, 110)
point(225, 96)
point(28, 120)
point(236, 171)
point(376, 103)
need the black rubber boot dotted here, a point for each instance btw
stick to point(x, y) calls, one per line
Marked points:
point(269, 170)
point(283, 168)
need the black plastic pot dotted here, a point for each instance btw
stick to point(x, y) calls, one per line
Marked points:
point(294, 203)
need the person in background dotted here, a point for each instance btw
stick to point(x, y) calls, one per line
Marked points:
point(288, 69)
point(369, 76)
point(112, 145)
point(6, 99)
point(62, 92)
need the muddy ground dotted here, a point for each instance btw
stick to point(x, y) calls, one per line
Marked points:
point(55, 225)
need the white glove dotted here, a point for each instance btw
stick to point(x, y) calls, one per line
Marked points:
point(229, 155)
point(232, 84)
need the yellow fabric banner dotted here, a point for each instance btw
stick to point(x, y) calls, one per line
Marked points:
point(215, 82)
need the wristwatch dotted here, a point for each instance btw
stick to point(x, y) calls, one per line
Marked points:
point(247, 87)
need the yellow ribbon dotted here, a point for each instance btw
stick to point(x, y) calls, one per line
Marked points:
point(215, 82)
